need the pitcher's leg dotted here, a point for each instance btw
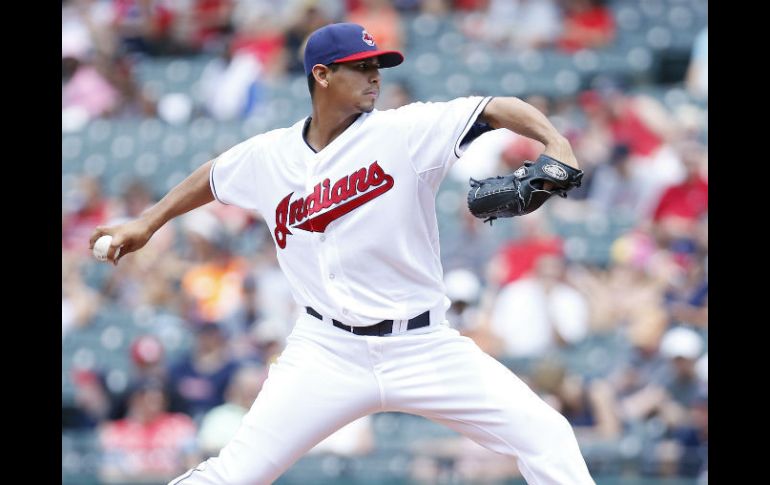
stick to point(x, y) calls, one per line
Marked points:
point(453, 382)
point(310, 392)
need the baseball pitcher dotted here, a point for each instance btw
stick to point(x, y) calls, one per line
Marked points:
point(348, 194)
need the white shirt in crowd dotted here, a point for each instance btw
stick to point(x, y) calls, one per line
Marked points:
point(525, 317)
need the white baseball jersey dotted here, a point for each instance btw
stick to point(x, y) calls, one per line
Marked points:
point(355, 223)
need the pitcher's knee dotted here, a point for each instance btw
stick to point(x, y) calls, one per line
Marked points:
point(564, 426)
point(555, 426)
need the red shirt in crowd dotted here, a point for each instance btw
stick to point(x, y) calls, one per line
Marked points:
point(149, 449)
point(266, 47)
point(688, 200)
point(519, 257)
point(77, 226)
point(596, 20)
point(629, 128)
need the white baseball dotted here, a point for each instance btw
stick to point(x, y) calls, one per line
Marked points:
point(101, 247)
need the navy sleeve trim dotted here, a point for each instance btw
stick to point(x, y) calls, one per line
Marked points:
point(469, 126)
point(476, 131)
point(211, 182)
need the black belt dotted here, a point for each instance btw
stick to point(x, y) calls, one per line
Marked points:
point(385, 327)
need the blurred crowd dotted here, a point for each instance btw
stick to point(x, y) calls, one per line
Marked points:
point(212, 274)
point(251, 43)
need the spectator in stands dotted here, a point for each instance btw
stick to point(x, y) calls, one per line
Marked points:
point(677, 400)
point(135, 198)
point(207, 22)
point(274, 298)
point(131, 287)
point(550, 314)
point(681, 205)
point(682, 346)
point(686, 297)
point(133, 101)
point(258, 35)
point(172, 28)
point(79, 302)
point(220, 424)
point(150, 443)
point(674, 386)
point(213, 285)
point(694, 436)
point(102, 87)
point(257, 333)
point(86, 89)
point(148, 359)
point(464, 6)
point(91, 404)
point(144, 27)
point(641, 365)
point(614, 188)
point(691, 440)
point(588, 24)
point(592, 281)
point(382, 20)
point(643, 124)
point(697, 77)
point(201, 376)
point(518, 257)
point(589, 405)
point(515, 24)
point(247, 312)
point(85, 207)
point(308, 18)
point(637, 281)
point(231, 84)
point(595, 138)
point(86, 27)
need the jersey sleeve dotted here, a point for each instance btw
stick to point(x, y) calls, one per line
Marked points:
point(439, 132)
point(233, 175)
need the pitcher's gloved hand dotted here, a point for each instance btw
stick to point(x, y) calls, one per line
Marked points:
point(523, 191)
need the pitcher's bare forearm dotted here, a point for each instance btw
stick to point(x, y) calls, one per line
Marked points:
point(191, 193)
point(523, 118)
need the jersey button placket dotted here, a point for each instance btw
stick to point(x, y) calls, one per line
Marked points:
point(334, 266)
point(325, 259)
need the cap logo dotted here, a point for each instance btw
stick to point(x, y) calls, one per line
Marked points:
point(367, 38)
point(522, 171)
point(555, 171)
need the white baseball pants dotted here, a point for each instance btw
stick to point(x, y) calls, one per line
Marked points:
point(327, 377)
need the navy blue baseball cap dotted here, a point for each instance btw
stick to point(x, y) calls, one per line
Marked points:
point(345, 42)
